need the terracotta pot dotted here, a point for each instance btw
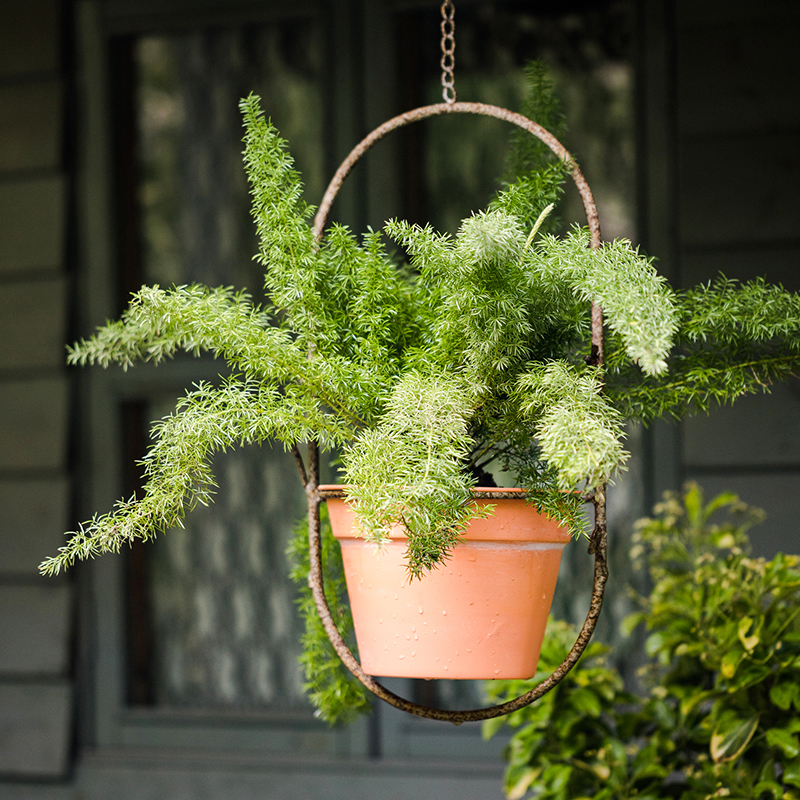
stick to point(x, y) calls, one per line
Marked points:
point(482, 615)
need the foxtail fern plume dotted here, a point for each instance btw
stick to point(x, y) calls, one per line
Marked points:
point(580, 433)
point(409, 470)
point(636, 301)
point(732, 339)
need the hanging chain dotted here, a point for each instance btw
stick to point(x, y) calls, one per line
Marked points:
point(448, 60)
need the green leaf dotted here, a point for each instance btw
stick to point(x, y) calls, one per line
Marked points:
point(720, 501)
point(782, 694)
point(655, 643)
point(557, 776)
point(520, 781)
point(490, 727)
point(731, 737)
point(693, 501)
point(778, 737)
point(751, 675)
point(749, 642)
point(587, 702)
point(768, 786)
point(694, 699)
point(791, 772)
point(730, 662)
point(793, 726)
point(631, 622)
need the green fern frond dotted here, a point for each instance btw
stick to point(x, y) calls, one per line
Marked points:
point(409, 469)
point(636, 301)
point(337, 695)
point(177, 465)
point(579, 432)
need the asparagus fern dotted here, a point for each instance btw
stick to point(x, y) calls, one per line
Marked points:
point(422, 373)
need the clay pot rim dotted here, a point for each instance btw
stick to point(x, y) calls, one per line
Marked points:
point(497, 528)
point(337, 491)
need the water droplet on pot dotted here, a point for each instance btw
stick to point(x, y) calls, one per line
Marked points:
point(413, 628)
point(413, 653)
point(401, 656)
point(445, 667)
point(437, 658)
point(444, 613)
point(421, 610)
point(497, 672)
point(416, 637)
point(408, 637)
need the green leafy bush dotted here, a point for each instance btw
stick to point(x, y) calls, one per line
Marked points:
point(722, 715)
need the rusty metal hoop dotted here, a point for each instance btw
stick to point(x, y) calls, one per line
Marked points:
point(598, 539)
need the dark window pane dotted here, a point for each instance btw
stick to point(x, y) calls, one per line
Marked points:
point(221, 620)
point(196, 225)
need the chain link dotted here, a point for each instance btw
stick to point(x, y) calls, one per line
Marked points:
point(448, 60)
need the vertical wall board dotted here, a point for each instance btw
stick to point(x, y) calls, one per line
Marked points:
point(776, 493)
point(29, 36)
point(757, 430)
point(739, 189)
point(737, 78)
point(34, 729)
point(32, 323)
point(33, 518)
point(32, 224)
point(33, 425)
point(656, 196)
point(30, 125)
point(778, 264)
point(34, 629)
point(656, 136)
point(380, 90)
point(739, 119)
point(692, 12)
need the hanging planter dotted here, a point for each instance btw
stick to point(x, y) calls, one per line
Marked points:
point(487, 346)
point(467, 642)
point(480, 615)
